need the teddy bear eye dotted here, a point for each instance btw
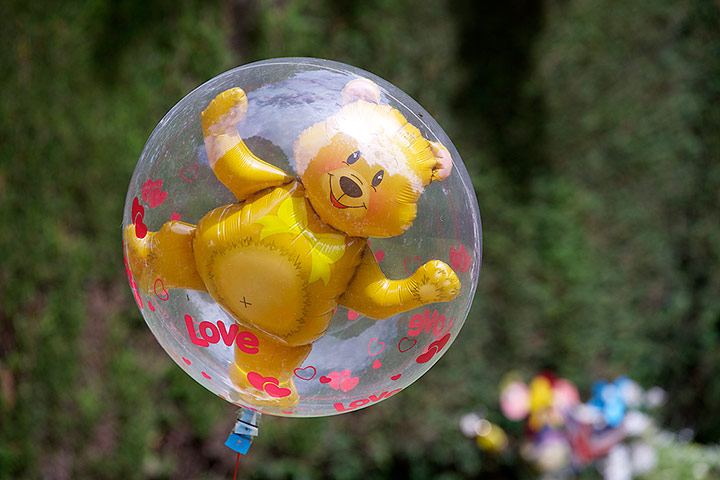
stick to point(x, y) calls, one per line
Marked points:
point(354, 157)
point(377, 178)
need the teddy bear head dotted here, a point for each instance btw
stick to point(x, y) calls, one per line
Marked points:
point(365, 167)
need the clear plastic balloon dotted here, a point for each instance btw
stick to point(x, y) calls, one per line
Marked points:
point(302, 237)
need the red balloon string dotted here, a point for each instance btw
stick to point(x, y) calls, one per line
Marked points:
point(236, 466)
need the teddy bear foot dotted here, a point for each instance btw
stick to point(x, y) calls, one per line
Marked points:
point(255, 389)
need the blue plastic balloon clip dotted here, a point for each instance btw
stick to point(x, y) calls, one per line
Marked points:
point(246, 428)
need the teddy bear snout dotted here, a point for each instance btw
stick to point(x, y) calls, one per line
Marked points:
point(350, 187)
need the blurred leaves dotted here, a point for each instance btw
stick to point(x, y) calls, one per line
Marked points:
point(591, 129)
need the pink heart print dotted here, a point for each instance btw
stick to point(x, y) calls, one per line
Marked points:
point(459, 259)
point(269, 385)
point(152, 193)
point(375, 347)
point(341, 380)
point(348, 383)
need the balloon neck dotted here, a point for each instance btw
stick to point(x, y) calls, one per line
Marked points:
point(245, 430)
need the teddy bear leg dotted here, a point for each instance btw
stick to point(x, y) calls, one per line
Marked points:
point(166, 255)
point(263, 369)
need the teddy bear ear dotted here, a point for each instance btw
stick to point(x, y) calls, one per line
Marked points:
point(444, 162)
point(360, 89)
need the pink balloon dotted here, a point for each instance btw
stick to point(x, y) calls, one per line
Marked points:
point(565, 394)
point(515, 400)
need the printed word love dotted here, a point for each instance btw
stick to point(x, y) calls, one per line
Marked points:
point(245, 341)
point(427, 322)
point(340, 407)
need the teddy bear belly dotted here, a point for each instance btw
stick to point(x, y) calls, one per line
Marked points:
point(284, 282)
point(265, 288)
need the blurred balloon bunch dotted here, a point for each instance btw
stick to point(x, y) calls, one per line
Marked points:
point(562, 436)
point(542, 405)
point(542, 402)
point(612, 428)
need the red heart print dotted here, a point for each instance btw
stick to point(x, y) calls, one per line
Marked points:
point(163, 294)
point(406, 344)
point(307, 373)
point(352, 315)
point(269, 385)
point(189, 173)
point(396, 377)
point(434, 348)
point(459, 259)
point(138, 213)
point(379, 255)
point(175, 217)
point(411, 260)
point(375, 347)
point(325, 379)
point(206, 376)
point(377, 364)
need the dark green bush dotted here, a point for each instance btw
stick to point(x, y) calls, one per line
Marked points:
point(591, 130)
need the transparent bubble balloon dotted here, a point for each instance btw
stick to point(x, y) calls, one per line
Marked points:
point(301, 237)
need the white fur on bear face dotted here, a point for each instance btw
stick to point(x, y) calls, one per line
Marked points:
point(376, 133)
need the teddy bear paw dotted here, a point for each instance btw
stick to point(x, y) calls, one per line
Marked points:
point(224, 112)
point(437, 282)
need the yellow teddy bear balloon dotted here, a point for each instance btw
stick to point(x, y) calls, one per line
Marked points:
point(290, 250)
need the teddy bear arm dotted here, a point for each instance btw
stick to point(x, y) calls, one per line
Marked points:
point(231, 160)
point(372, 294)
point(245, 174)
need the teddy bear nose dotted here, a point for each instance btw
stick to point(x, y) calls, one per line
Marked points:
point(350, 187)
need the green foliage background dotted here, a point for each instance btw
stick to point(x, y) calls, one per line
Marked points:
point(591, 129)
